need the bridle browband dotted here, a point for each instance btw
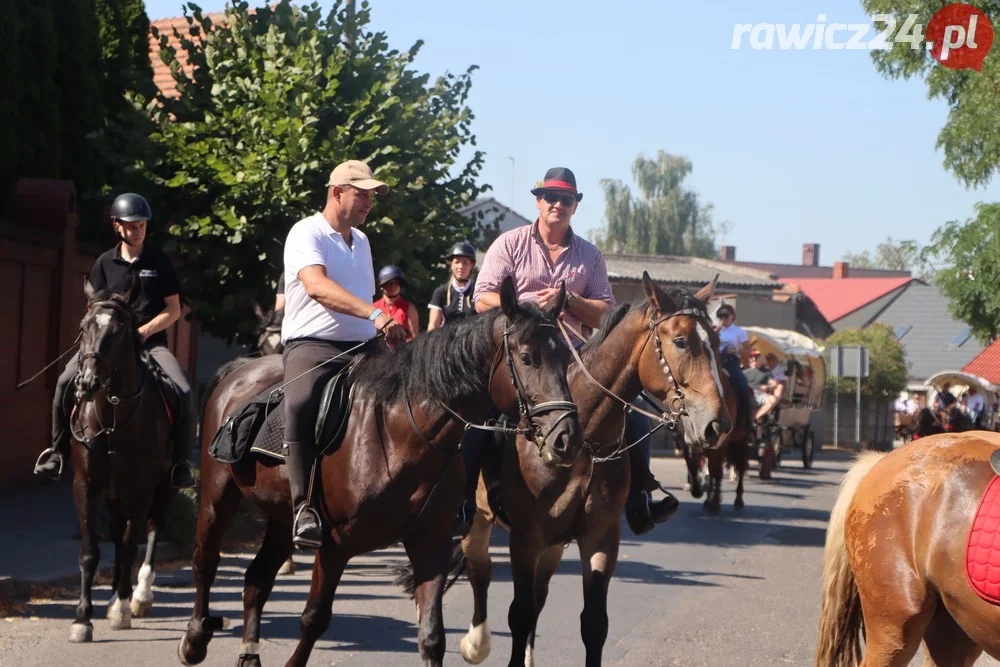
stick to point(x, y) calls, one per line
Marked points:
point(675, 404)
point(79, 431)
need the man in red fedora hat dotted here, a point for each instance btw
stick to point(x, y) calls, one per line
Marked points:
point(540, 257)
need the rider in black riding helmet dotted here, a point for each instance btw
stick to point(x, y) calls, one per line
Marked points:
point(156, 308)
point(453, 300)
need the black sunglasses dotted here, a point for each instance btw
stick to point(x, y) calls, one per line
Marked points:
point(552, 198)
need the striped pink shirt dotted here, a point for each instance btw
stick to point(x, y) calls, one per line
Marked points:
point(519, 253)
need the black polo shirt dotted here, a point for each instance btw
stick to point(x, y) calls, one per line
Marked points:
point(156, 272)
point(454, 304)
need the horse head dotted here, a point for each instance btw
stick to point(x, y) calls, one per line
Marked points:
point(679, 362)
point(108, 336)
point(528, 376)
point(269, 330)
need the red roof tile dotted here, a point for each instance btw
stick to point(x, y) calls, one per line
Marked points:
point(162, 77)
point(837, 297)
point(986, 364)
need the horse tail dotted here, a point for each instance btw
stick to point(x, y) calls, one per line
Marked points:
point(840, 615)
point(406, 579)
point(220, 374)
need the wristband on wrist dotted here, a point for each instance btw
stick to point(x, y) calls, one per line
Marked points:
point(375, 314)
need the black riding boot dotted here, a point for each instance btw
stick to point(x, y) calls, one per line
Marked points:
point(641, 511)
point(307, 531)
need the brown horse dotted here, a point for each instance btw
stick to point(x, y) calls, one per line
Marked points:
point(395, 476)
point(665, 345)
point(894, 563)
point(269, 331)
point(121, 449)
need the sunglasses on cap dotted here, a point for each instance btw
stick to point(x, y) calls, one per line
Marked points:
point(553, 197)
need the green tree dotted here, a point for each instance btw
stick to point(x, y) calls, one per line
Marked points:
point(276, 100)
point(664, 219)
point(971, 136)
point(891, 255)
point(886, 359)
point(969, 254)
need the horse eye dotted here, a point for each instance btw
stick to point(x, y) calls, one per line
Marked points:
point(525, 358)
point(681, 342)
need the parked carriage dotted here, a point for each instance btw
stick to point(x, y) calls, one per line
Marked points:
point(803, 362)
point(960, 383)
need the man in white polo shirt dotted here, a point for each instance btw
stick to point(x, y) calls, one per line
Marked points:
point(329, 283)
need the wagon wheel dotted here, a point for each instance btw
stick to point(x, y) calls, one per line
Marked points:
point(808, 448)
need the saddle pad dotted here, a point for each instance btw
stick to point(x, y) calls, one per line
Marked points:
point(271, 434)
point(982, 551)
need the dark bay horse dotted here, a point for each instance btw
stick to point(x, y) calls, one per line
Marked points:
point(733, 450)
point(121, 449)
point(664, 344)
point(396, 475)
point(269, 330)
point(894, 564)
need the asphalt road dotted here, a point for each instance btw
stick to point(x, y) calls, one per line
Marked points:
point(741, 588)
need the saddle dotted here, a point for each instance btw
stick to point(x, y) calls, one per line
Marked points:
point(258, 426)
point(982, 550)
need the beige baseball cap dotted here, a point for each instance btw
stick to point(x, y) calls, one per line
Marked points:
point(358, 174)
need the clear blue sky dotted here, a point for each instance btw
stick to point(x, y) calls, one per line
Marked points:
point(790, 146)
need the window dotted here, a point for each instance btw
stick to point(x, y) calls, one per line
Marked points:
point(902, 331)
point(962, 336)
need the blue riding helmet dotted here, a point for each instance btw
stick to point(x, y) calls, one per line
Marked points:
point(391, 273)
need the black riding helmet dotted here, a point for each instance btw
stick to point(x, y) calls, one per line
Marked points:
point(462, 249)
point(131, 207)
point(391, 273)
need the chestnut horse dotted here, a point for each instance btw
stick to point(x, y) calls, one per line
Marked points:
point(894, 562)
point(395, 476)
point(121, 449)
point(664, 344)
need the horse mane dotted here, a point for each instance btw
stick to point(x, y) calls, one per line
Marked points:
point(681, 298)
point(445, 363)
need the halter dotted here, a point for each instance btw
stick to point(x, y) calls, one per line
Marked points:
point(79, 431)
point(675, 404)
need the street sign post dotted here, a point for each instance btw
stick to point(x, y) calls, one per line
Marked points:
point(848, 361)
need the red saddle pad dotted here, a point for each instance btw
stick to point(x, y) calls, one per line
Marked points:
point(982, 551)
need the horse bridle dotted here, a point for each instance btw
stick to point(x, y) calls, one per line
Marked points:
point(675, 404)
point(80, 433)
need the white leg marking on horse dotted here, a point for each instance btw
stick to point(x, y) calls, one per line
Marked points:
point(142, 597)
point(81, 632)
point(120, 615)
point(475, 645)
point(529, 658)
point(250, 648)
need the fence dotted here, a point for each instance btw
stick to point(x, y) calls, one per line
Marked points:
point(42, 270)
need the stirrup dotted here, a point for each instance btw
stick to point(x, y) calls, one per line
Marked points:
point(305, 542)
point(47, 454)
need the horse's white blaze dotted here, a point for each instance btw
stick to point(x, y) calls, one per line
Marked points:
point(103, 319)
point(475, 645)
point(706, 339)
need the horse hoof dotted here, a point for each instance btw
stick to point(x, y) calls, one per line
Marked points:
point(141, 607)
point(475, 645)
point(288, 567)
point(697, 493)
point(81, 633)
point(189, 654)
point(248, 661)
point(712, 508)
point(739, 504)
point(120, 615)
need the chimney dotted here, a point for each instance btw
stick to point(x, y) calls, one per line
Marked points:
point(727, 253)
point(840, 270)
point(810, 254)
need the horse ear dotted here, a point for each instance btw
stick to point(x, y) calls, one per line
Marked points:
point(556, 306)
point(508, 298)
point(88, 290)
point(706, 293)
point(657, 297)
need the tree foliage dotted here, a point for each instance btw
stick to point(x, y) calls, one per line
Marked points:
point(276, 99)
point(663, 219)
point(891, 255)
point(971, 135)
point(970, 255)
point(886, 359)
